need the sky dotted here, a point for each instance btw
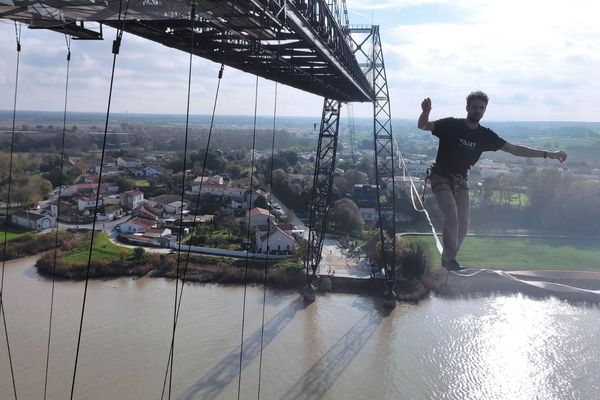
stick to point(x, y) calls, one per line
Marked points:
point(538, 60)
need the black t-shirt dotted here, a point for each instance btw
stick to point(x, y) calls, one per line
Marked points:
point(460, 146)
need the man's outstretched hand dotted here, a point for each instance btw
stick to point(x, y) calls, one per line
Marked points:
point(558, 155)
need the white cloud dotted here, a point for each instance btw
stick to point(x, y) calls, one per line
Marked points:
point(548, 50)
point(537, 59)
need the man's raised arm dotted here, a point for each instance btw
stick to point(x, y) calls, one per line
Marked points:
point(424, 122)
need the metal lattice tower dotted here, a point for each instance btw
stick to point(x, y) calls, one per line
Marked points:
point(321, 191)
point(369, 47)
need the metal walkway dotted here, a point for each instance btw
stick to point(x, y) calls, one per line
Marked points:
point(294, 42)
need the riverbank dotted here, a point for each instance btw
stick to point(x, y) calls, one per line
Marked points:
point(220, 270)
point(31, 244)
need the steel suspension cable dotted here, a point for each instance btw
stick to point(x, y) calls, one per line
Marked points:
point(115, 50)
point(176, 301)
point(10, 163)
point(262, 326)
point(62, 161)
point(188, 252)
point(249, 208)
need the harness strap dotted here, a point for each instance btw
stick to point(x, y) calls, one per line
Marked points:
point(457, 180)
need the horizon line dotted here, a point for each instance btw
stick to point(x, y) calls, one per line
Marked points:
point(283, 116)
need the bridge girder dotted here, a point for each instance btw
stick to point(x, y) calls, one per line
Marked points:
point(295, 42)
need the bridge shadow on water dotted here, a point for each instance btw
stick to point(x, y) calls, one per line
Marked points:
point(315, 383)
point(317, 380)
point(227, 370)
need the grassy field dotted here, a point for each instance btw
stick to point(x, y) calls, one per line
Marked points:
point(522, 253)
point(103, 249)
point(141, 183)
point(13, 233)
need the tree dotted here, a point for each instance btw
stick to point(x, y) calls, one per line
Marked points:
point(542, 188)
point(574, 209)
point(352, 177)
point(261, 202)
point(139, 253)
point(345, 216)
point(226, 220)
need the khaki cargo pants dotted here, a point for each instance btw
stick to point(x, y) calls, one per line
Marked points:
point(452, 196)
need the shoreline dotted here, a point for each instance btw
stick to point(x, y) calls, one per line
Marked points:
point(199, 270)
point(577, 286)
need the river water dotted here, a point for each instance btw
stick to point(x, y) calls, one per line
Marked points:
point(339, 347)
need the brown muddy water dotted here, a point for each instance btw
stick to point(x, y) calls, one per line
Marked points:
point(339, 347)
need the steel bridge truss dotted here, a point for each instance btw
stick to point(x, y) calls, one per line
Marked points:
point(306, 44)
point(321, 191)
point(297, 42)
point(369, 49)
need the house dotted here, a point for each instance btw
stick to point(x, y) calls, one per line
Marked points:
point(191, 220)
point(145, 212)
point(236, 193)
point(107, 169)
point(489, 168)
point(152, 239)
point(86, 203)
point(33, 220)
point(272, 239)
point(168, 205)
point(338, 172)
point(418, 168)
point(216, 179)
point(132, 199)
point(113, 211)
point(213, 189)
point(147, 172)
point(127, 162)
point(365, 195)
point(213, 185)
point(258, 216)
point(89, 189)
point(136, 225)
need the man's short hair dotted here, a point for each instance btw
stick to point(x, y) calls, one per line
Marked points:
point(478, 95)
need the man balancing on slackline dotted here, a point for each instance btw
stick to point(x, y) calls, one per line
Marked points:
point(461, 142)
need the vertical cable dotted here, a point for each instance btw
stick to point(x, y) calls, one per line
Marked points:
point(249, 208)
point(262, 326)
point(193, 227)
point(12, 142)
point(115, 50)
point(171, 360)
point(62, 161)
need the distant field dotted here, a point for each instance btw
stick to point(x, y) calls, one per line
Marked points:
point(103, 249)
point(141, 183)
point(522, 253)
